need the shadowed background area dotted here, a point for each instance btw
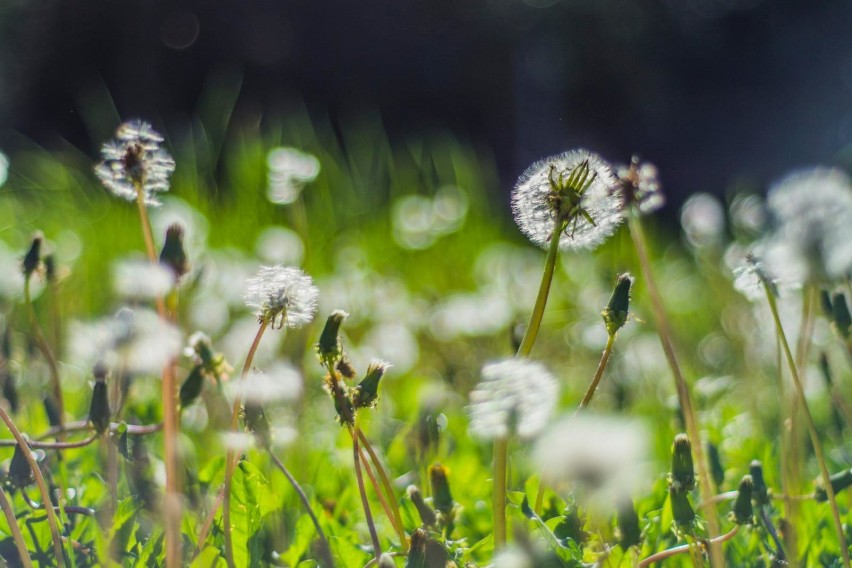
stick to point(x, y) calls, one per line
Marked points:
point(716, 92)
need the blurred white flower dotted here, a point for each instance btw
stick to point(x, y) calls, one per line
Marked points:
point(812, 236)
point(642, 185)
point(278, 245)
point(134, 162)
point(394, 341)
point(751, 277)
point(136, 341)
point(703, 220)
point(282, 295)
point(513, 395)
point(289, 170)
point(279, 383)
point(542, 192)
point(514, 558)
point(4, 168)
point(141, 279)
point(607, 456)
point(419, 221)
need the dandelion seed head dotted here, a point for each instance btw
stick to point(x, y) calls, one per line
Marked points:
point(283, 296)
point(607, 456)
point(703, 220)
point(135, 161)
point(643, 187)
point(513, 395)
point(141, 279)
point(289, 170)
point(812, 236)
point(536, 204)
point(751, 277)
point(279, 383)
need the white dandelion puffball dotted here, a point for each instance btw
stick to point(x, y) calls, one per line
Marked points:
point(605, 455)
point(535, 201)
point(644, 185)
point(812, 215)
point(282, 296)
point(513, 395)
point(280, 383)
point(289, 170)
point(135, 162)
point(141, 279)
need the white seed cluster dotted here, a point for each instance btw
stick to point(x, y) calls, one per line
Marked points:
point(283, 296)
point(135, 161)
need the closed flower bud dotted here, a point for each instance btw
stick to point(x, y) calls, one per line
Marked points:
point(840, 315)
point(759, 491)
point(417, 551)
point(716, 469)
point(442, 498)
point(99, 413)
point(629, 531)
point(173, 254)
point(682, 512)
point(615, 313)
point(191, 387)
point(258, 423)
point(367, 392)
point(682, 476)
point(427, 514)
point(329, 348)
point(50, 268)
point(20, 473)
point(32, 260)
point(743, 513)
point(839, 482)
point(51, 410)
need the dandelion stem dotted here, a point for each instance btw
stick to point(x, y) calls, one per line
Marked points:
point(52, 521)
point(812, 430)
point(231, 459)
point(23, 553)
point(587, 398)
point(543, 291)
point(377, 547)
point(501, 454)
point(326, 549)
point(664, 328)
point(685, 548)
point(41, 342)
point(396, 519)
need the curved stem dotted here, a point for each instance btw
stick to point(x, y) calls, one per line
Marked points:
point(377, 547)
point(41, 343)
point(543, 291)
point(42, 486)
point(231, 459)
point(23, 553)
point(691, 423)
point(685, 548)
point(326, 549)
point(383, 476)
point(812, 430)
point(54, 445)
point(587, 398)
point(379, 494)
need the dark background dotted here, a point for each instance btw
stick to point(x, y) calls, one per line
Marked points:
point(716, 92)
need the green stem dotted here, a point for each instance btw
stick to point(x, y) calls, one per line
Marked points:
point(691, 423)
point(543, 291)
point(587, 398)
point(23, 553)
point(230, 460)
point(326, 549)
point(41, 342)
point(685, 548)
point(812, 430)
point(396, 518)
point(501, 454)
point(374, 537)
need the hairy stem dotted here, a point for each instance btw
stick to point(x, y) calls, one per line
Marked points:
point(691, 423)
point(812, 430)
point(587, 398)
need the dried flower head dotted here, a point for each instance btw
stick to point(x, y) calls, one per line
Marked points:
point(812, 237)
point(641, 186)
point(135, 162)
point(577, 188)
point(282, 296)
point(513, 395)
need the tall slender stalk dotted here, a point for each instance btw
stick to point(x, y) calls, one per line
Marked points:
point(52, 521)
point(374, 537)
point(46, 351)
point(590, 392)
point(691, 423)
point(230, 460)
point(23, 553)
point(396, 517)
point(812, 430)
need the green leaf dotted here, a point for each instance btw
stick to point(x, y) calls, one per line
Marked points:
point(208, 558)
point(305, 532)
point(251, 500)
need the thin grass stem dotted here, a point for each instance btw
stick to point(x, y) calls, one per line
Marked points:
point(374, 537)
point(501, 453)
point(388, 487)
point(23, 553)
point(812, 430)
point(46, 351)
point(590, 392)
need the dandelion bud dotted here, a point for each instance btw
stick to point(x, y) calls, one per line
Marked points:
point(20, 473)
point(716, 469)
point(760, 492)
point(32, 260)
point(99, 413)
point(329, 347)
point(442, 498)
point(743, 513)
point(191, 387)
point(51, 410)
point(426, 552)
point(258, 423)
point(427, 514)
point(386, 561)
point(345, 368)
point(629, 532)
point(682, 476)
point(367, 392)
point(615, 313)
point(10, 390)
point(839, 482)
point(50, 268)
point(682, 512)
point(173, 254)
point(841, 316)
